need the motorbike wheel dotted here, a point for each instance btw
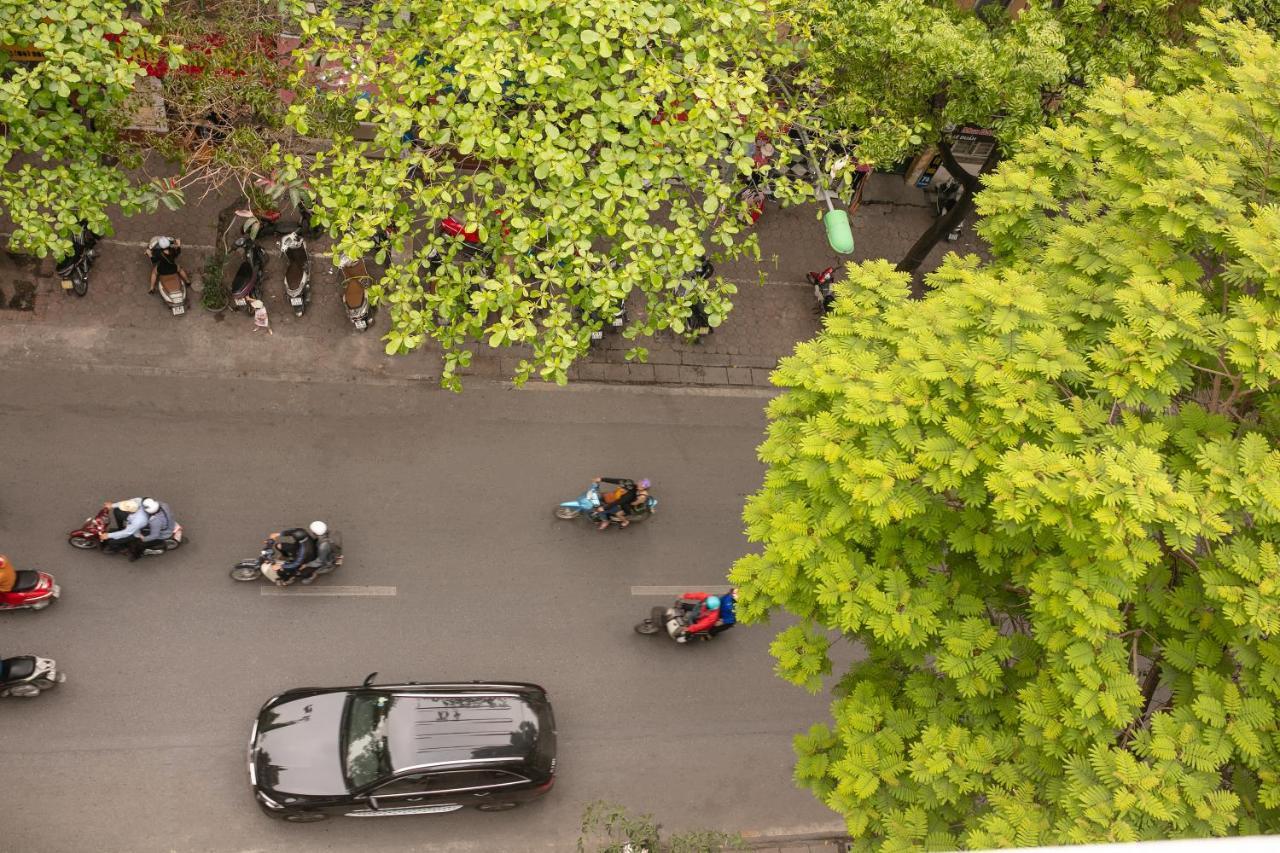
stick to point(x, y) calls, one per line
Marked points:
point(80, 283)
point(83, 542)
point(247, 571)
point(24, 690)
point(41, 605)
point(172, 544)
point(566, 512)
point(648, 626)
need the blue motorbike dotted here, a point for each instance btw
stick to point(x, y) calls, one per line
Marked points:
point(589, 504)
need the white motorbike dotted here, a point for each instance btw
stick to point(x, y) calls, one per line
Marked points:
point(28, 675)
point(172, 288)
point(297, 271)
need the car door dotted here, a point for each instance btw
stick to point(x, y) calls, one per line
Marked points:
point(441, 791)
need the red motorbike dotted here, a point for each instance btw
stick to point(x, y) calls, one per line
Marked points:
point(89, 535)
point(32, 590)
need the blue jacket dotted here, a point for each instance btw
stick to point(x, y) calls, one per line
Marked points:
point(728, 609)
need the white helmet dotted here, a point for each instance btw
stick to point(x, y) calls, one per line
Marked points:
point(162, 242)
point(318, 528)
point(150, 505)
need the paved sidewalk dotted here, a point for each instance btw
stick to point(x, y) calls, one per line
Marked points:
point(117, 323)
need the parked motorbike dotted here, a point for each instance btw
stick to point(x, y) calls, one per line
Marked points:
point(74, 271)
point(172, 288)
point(88, 536)
point(28, 675)
point(264, 565)
point(699, 325)
point(945, 197)
point(823, 288)
point(268, 223)
point(589, 503)
point(674, 619)
point(248, 279)
point(297, 271)
point(355, 279)
point(32, 590)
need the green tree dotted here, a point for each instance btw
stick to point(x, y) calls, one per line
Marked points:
point(893, 76)
point(66, 69)
point(1046, 498)
point(596, 146)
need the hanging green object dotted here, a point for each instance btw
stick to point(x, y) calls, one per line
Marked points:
point(839, 234)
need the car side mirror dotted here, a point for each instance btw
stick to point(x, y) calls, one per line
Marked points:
point(369, 679)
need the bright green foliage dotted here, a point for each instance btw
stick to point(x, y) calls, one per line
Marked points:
point(597, 145)
point(899, 72)
point(61, 117)
point(1046, 498)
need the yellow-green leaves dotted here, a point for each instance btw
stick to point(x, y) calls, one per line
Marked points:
point(1042, 501)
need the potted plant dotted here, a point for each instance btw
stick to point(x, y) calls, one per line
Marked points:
point(214, 295)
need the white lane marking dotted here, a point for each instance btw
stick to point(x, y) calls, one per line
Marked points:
point(331, 590)
point(672, 590)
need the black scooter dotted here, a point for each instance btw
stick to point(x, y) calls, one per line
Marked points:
point(74, 271)
point(244, 287)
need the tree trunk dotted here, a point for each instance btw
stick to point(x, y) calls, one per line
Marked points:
point(917, 253)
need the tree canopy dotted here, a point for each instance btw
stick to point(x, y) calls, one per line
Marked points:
point(595, 149)
point(1046, 498)
point(61, 96)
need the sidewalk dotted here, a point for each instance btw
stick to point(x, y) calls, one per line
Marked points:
point(117, 323)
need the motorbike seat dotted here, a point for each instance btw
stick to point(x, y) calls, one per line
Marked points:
point(293, 272)
point(244, 274)
point(16, 668)
point(353, 293)
point(171, 285)
point(26, 581)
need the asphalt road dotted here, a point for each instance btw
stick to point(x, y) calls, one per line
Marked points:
point(447, 499)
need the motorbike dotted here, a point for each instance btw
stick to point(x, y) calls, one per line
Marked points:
point(945, 198)
point(248, 278)
point(355, 278)
point(297, 272)
point(823, 289)
point(88, 536)
point(589, 504)
point(699, 325)
point(675, 618)
point(267, 223)
point(32, 590)
point(74, 271)
point(172, 288)
point(28, 675)
point(264, 565)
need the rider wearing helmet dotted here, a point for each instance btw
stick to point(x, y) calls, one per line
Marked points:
point(703, 609)
point(160, 526)
point(629, 497)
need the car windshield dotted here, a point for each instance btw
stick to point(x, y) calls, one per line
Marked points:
point(364, 739)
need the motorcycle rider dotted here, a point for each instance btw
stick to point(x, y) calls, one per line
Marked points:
point(163, 252)
point(703, 613)
point(304, 550)
point(633, 496)
point(8, 577)
point(129, 517)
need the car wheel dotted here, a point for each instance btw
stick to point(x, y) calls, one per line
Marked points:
point(566, 512)
point(496, 807)
point(305, 817)
point(83, 542)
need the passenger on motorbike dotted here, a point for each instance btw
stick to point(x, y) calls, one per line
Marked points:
point(703, 612)
point(728, 612)
point(160, 526)
point(630, 497)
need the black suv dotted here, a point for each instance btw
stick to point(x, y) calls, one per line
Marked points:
point(393, 749)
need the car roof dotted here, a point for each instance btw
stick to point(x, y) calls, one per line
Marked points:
point(486, 725)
